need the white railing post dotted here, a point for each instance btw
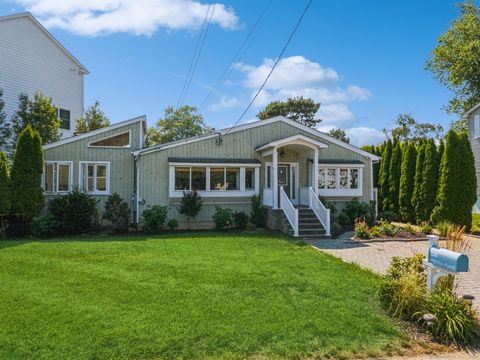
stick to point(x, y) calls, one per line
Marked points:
point(289, 210)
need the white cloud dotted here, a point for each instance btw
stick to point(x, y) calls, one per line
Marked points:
point(364, 136)
point(137, 17)
point(226, 103)
point(299, 76)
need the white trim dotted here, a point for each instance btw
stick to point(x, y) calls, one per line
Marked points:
point(254, 125)
point(109, 137)
point(83, 70)
point(337, 191)
point(95, 132)
point(214, 164)
point(469, 112)
point(55, 163)
point(295, 140)
point(81, 177)
point(320, 165)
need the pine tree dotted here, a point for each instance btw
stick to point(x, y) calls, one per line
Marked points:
point(27, 197)
point(4, 184)
point(5, 128)
point(395, 172)
point(418, 180)
point(383, 190)
point(93, 119)
point(457, 182)
point(407, 182)
point(428, 189)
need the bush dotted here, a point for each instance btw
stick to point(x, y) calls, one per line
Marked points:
point(331, 206)
point(222, 218)
point(45, 226)
point(343, 219)
point(240, 219)
point(388, 229)
point(361, 229)
point(425, 228)
point(455, 320)
point(257, 214)
point(444, 228)
point(388, 216)
point(356, 209)
point(410, 229)
point(191, 204)
point(75, 212)
point(154, 218)
point(172, 224)
point(117, 212)
point(375, 231)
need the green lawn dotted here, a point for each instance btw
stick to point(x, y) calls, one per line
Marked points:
point(476, 220)
point(186, 296)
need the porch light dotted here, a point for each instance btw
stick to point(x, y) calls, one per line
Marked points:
point(282, 154)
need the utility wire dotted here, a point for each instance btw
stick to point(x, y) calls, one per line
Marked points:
point(274, 66)
point(196, 55)
point(220, 81)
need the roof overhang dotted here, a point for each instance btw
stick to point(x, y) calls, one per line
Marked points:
point(291, 140)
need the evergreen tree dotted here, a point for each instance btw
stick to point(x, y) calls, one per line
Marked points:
point(395, 171)
point(383, 190)
point(4, 184)
point(5, 128)
point(93, 119)
point(418, 180)
point(428, 190)
point(407, 182)
point(27, 197)
point(457, 183)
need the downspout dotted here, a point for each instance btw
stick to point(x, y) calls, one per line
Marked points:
point(135, 192)
point(373, 185)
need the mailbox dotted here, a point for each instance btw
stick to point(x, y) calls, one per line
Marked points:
point(447, 259)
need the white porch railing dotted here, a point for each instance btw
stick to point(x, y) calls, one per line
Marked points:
point(289, 210)
point(268, 197)
point(309, 198)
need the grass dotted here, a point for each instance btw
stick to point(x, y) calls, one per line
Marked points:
point(476, 220)
point(186, 296)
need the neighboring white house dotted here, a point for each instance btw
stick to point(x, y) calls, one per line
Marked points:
point(32, 60)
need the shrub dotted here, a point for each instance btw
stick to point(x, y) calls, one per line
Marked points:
point(388, 229)
point(5, 191)
point(240, 219)
point(257, 214)
point(343, 219)
point(75, 212)
point(117, 212)
point(404, 286)
point(45, 226)
point(333, 209)
point(407, 182)
point(426, 228)
point(455, 320)
point(388, 216)
point(154, 218)
point(191, 204)
point(361, 229)
point(172, 224)
point(222, 218)
point(375, 231)
point(356, 209)
point(444, 228)
point(410, 229)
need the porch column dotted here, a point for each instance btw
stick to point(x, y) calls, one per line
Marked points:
point(275, 177)
point(315, 171)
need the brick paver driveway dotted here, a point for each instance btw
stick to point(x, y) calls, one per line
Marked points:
point(376, 256)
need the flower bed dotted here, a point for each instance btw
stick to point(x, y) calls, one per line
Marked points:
point(385, 230)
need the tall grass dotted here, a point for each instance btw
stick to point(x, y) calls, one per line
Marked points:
point(455, 240)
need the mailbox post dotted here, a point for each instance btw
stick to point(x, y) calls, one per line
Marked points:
point(441, 262)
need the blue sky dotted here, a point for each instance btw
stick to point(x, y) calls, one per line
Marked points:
point(363, 60)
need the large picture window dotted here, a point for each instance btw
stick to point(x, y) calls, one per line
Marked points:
point(340, 180)
point(95, 177)
point(57, 177)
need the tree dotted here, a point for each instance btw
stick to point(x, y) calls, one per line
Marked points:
point(5, 128)
point(395, 172)
point(339, 134)
point(177, 124)
point(298, 109)
point(383, 176)
point(40, 114)
point(93, 119)
point(427, 195)
point(406, 128)
point(5, 202)
point(417, 183)
point(27, 196)
point(457, 183)
point(454, 61)
point(407, 182)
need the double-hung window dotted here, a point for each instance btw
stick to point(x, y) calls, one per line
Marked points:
point(340, 180)
point(95, 177)
point(57, 177)
point(64, 116)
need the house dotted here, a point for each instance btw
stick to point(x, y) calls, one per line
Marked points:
point(32, 60)
point(473, 119)
point(289, 165)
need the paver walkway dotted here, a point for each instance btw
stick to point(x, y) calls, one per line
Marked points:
point(377, 255)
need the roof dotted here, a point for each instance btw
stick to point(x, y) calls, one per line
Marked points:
point(28, 15)
point(295, 139)
point(469, 112)
point(198, 160)
point(120, 124)
point(254, 124)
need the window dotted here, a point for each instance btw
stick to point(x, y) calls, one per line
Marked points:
point(340, 180)
point(321, 178)
point(182, 178)
point(343, 179)
point(57, 177)
point(476, 126)
point(250, 179)
point(217, 178)
point(120, 140)
point(95, 177)
point(331, 179)
point(232, 178)
point(199, 178)
point(64, 116)
point(353, 178)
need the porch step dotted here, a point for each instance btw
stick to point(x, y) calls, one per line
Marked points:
point(308, 224)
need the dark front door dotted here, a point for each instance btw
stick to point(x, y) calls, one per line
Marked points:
point(284, 178)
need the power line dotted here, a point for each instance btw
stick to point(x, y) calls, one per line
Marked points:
point(198, 49)
point(235, 57)
point(274, 65)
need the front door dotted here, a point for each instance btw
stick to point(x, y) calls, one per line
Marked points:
point(284, 179)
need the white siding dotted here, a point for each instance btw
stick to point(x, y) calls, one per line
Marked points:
point(30, 61)
point(475, 143)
